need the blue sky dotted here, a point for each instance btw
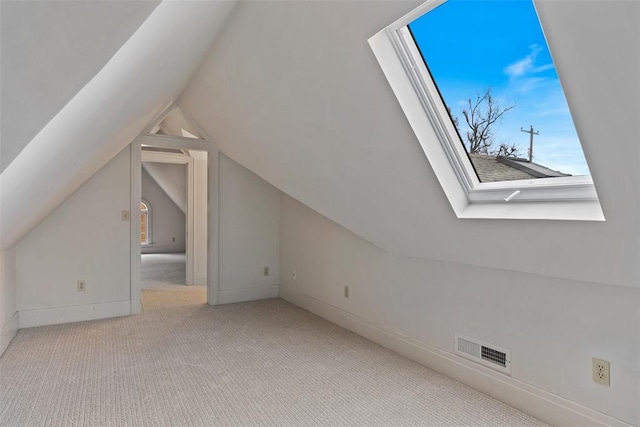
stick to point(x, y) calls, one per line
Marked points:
point(472, 45)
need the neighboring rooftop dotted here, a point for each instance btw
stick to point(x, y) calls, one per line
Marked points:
point(498, 168)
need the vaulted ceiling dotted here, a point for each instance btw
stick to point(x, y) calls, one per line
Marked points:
point(292, 91)
point(80, 81)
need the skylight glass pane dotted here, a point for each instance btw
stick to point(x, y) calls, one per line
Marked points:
point(490, 62)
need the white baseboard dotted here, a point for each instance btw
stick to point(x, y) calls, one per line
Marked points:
point(8, 332)
point(247, 294)
point(76, 313)
point(541, 404)
point(199, 279)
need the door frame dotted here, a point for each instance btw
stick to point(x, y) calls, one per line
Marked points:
point(181, 159)
point(164, 141)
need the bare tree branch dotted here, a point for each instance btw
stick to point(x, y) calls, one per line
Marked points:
point(480, 116)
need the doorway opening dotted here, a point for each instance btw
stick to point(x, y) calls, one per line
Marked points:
point(163, 225)
point(174, 204)
point(173, 222)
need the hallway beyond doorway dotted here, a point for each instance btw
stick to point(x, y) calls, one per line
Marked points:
point(163, 270)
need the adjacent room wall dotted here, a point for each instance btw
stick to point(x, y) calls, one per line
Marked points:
point(249, 235)
point(85, 238)
point(172, 178)
point(8, 298)
point(168, 222)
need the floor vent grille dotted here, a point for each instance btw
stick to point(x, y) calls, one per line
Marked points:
point(483, 353)
point(494, 356)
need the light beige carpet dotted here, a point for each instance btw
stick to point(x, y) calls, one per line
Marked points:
point(182, 363)
point(163, 270)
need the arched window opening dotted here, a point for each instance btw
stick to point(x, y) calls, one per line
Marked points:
point(145, 211)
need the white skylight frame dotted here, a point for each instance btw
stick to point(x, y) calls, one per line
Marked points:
point(562, 198)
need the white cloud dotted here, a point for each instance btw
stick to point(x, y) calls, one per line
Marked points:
point(527, 65)
point(542, 68)
point(518, 68)
point(529, 84)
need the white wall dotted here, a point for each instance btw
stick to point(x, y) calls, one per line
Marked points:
point(314, 116)
point(249, 234)
point(84, 238)
point(8, 298)
point(553, 326)
point(172, 178)
point(168, 222)
point(200, 214)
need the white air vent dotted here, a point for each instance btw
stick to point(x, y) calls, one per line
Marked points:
point(483, 353)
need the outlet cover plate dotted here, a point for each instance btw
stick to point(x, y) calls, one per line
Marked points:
point(601, 372)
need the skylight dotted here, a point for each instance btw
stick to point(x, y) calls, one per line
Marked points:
point(478, 85)
point(494, 72)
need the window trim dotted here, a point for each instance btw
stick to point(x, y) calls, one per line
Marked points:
point(418, 95)
point(149, 241)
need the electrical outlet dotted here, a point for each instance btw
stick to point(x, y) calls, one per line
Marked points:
point(265, 272)
point(82, 285)
point(125, 215)
point(601, 372)
point(294, 276)
point(346, 292)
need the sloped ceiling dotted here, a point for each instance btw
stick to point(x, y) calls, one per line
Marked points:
point(172, 179)
point(292, 91)
point(175, 124)
point(50, 50)
point(145, 75)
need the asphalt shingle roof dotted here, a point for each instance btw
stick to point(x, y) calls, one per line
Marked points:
point(489, 169)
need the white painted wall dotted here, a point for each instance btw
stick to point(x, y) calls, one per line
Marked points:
point(84, 238)
point(314, 116)
point(200, 213)
point(174, 124)
point(552, 326)
point(8, 298)
point(172, 178)
point(50, 50)
point(168, 222)
point(249, 234)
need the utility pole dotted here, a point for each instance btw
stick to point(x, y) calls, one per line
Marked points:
point(531, 133)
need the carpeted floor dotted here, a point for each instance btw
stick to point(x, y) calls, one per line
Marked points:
point(182, 363)
point(162, 270)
